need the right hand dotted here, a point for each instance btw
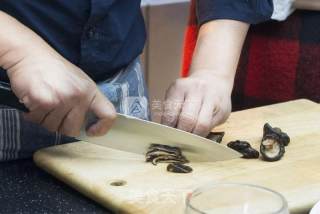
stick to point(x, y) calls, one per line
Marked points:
point(58, 94)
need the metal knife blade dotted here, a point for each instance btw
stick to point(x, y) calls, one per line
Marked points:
point(135, 135)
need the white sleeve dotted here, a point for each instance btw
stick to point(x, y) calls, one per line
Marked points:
point(282, 9)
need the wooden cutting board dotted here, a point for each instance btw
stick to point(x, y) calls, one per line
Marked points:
point(125, 183)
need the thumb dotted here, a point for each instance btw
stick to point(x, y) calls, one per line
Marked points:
point(103, 109)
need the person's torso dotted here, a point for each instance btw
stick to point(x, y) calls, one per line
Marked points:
point(99, 36)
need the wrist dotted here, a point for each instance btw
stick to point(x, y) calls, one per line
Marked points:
point(223, 82)
point(17, 42)
point(210, 74)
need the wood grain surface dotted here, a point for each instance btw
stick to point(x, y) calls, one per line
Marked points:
point(125, 183)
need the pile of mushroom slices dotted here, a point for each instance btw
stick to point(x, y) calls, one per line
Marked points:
point(158, 153)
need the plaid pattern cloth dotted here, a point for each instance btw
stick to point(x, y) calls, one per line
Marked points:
point(280, 61)
point(20, 138)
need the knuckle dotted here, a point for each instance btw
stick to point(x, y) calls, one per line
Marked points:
point(201, 131)
point(180, 83)
point(204, 126)
point(169, 118)
point(187, 122)
point(49, 103)
point(225, 113)
point(44, 102)
point(75, 94)
point(222, 116)
point(43, 99)
point(201, 85)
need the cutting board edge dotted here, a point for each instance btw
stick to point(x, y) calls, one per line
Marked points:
point(40, 161)
point(303, 100)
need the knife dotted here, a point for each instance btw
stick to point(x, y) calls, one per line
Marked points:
point(135, 135)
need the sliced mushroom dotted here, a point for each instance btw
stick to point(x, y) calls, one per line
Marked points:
point(250, 153)
point(244, 148)
point(179, 168)
point(168, 159)
point(273, 143)
point(158, 153)
point(275, 133)
point(215, 136)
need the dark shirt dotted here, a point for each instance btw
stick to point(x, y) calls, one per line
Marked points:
point(99, 36)
point(249, 11)
point(103, 36)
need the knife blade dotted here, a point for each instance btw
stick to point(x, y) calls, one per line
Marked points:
point(135, 135)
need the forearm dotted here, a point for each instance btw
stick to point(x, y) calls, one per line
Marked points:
point(218, 49)
point(307, 4)
point(17, 41)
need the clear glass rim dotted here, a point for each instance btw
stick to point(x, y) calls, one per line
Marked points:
point(210, 186)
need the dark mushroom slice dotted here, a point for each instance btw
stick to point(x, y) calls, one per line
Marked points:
point(273, 143)
point(244, 148)
point(159, 153)
point(150, 157)
point(250, 153)
point(215, 136)
point(168, 159)
point(162, 150)
point(238, 145)
point(275, 133)
point(272, 149)
point(179, 168)
point(284, 138)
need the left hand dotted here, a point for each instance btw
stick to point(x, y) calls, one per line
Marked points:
point(197, 103)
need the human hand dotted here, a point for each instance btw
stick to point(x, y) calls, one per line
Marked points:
point(197, 103)
point(203, 100)
point(58, 94)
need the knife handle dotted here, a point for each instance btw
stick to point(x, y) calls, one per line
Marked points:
point(8, 98)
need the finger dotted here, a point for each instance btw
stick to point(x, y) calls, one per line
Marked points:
point(204, 122)
point(106, 114)
point(219, 117)
point(73, 121)
point(172, 106)
point(190, 111)
point(37, 115)
point(54, 120)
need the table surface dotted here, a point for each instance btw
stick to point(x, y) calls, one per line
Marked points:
point(24, 188)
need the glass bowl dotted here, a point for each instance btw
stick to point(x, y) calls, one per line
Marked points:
point(235, 198)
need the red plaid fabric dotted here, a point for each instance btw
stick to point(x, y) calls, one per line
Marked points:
point(280, 61)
